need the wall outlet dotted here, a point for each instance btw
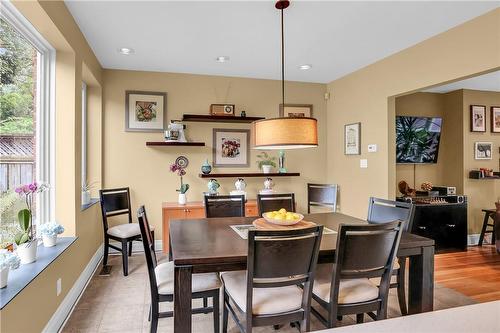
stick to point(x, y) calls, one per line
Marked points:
point(372, 148)
point(58, 287)
point(363, 163)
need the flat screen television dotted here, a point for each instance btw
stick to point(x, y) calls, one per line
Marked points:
point(417, 139)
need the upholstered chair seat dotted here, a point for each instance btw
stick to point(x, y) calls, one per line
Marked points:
point(164, 273)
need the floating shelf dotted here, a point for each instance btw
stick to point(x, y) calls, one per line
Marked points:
point(218, 119)
point(163, 143)
point(249, 174)
point(485, 178)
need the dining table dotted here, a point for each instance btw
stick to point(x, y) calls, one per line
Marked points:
point(206, 245)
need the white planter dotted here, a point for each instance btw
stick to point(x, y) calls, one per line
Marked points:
point(267, 168)
point(85, 197)
point(49, 241)
point(4, 276)
point(182, 198)
point(27, 252)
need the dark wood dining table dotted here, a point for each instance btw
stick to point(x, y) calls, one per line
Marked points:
point(211, 245)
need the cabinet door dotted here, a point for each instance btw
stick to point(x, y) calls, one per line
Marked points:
point(195, 213)
point(251, 211)
point(170, 214)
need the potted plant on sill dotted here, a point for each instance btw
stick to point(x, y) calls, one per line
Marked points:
point(8, 261)
point(26, 240)
point(49, 232)
point(86, 187)
point(179, 167)
point(266, 162)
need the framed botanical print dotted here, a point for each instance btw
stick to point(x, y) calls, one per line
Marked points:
point(478, 118)
point(483, 150)
point(145, 111)
point(352, 139)
point(495, 119)
point(231, 147)
point(296, 110)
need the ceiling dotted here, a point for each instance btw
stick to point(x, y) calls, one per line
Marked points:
point(486, 82)
point(336, 38)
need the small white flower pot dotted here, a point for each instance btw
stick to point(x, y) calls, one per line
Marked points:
point(49, 241)
point(85, 197)
point(267, 168)
point(27, 252)
point(4, 276)
point(182, 199)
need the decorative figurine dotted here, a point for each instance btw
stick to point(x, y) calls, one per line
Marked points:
point(206, 168)
point(281, 162)
point(243, 114)
point(213, 186)
point(268, 186)
point(240, 184)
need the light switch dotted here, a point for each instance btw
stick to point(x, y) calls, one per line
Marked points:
point(372, 148)
point(363, 163)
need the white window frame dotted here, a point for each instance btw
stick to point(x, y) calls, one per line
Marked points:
point(84, 133)
point(45, 101)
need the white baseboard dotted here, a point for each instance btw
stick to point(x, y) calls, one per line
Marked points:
point(136, 246)
point(58, 320)
point(473, 239)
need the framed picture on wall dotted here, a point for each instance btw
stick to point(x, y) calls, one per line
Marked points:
point(296, 110)
point(352, 139)
point(145, 111)
point(478, 118)
point(231, 148)
point(495, 119)
point(483, 150)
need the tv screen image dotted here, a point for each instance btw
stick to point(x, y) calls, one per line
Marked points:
point(417, 139)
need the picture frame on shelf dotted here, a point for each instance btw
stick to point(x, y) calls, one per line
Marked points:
point(231, 148)
point(145, 111)
point(296, 110)
point(352, 139)
point(478, 118)
point(483, 150)
point(495, 119)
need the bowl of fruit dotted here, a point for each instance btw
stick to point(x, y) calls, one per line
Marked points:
point(282, 217)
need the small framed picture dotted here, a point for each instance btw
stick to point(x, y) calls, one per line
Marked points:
point(483, 150)
point(352, 139)
point(296, 110)
point(495, 119)
point(145, 111)
point(478, 118)
point(231, 148)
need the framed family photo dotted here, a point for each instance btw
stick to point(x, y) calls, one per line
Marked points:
point(478, 118)
point(495, 119)
point(483, 150)
point(231, 147)
point(296, 110)
point(145, 111)
point(352, 139)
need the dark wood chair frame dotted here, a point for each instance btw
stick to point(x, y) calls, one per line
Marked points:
point(488, 213)
point(156, 298)
point(225, 205)
point(277, 201)
point(267, 269)
point(352, 261)
point(115, 202)
point(405, 212)
point(322, 195)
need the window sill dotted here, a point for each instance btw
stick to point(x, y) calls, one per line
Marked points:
point(20, 278)
point(92, 202)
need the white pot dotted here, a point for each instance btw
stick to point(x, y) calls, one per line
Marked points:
point(27, 252)
point(267, 168)
point(49, 241)
point(4, 276)
point(85, 197)
point(182, 198)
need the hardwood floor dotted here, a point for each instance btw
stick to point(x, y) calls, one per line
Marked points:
point(474, 273)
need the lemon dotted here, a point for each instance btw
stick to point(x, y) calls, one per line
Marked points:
point(289, 218)
point(282, 211)
point(296, 216)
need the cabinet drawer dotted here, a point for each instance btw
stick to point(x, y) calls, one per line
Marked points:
point(195, 213)
point(251, 211)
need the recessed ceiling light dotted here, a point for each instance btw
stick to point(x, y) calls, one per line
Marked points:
point(126, 50)
point(222, 59)
point(305, 67)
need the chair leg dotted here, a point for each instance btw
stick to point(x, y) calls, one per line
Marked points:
point(130, 244)
point(225, 313)
point(483, 229)
point(153, 238)
point(360, 318)
point(149, 315)
point(124, 257)
point(155, 314)
point(216, 306)
point(106, 251)
point(401, 286)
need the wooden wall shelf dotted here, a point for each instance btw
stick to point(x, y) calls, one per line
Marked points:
point(218, 119)
point(249, 174)
point(163, 143)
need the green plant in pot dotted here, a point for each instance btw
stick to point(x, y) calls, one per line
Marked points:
point(266, 162)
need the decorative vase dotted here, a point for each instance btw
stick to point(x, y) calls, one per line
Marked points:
point(4, 276)
point(206, 168)
point(49, 241)
point(267, 168)
point(182, 198)
point(213, 185)
point(27, 252)
point(240, 184)
point(85, 197)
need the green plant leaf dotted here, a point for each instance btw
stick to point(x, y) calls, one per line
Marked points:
point(24, 238)
point(17, 239)
point(23, 216)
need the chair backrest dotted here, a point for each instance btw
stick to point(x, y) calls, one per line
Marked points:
point(115, 202)
point(148, 242)
point(225, 206)
point(324, 195)
point(282, 258)
point(382, 210)
point(271, 202)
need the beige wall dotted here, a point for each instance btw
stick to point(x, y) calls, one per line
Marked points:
point(367, 96)
point(128, 162)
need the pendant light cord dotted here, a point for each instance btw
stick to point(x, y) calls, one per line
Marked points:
point(282, 60)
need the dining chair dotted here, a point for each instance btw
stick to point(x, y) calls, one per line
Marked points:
point(322, 195)
point(382, 211)
point(116, 202)
point(267, 294)
point(272, 202)
point(344, 288)
point(224, 205)
point(161, 281)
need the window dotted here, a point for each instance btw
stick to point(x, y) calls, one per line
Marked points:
point(26, 118)
point(84, 136)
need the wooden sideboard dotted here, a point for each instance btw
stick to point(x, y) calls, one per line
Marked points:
point(191, 210)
